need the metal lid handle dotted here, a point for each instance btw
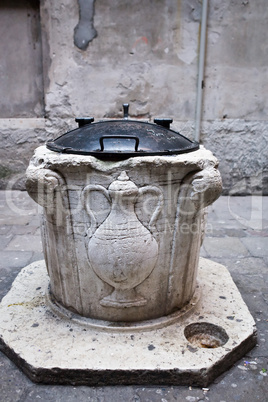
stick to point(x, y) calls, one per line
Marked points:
point(127, 137)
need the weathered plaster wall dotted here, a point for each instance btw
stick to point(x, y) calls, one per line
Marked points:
point(21, 81)
point(21, 88)
point(146, 53)
point(235, 108)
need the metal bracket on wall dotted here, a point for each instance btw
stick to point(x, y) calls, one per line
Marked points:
point(84, 31)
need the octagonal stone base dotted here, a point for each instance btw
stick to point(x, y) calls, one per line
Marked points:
point(190, 347)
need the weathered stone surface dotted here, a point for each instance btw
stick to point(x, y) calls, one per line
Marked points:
point(25, 243)
point(224, 247)
point(257, 246)
point(249, 265)
point(118, 247)
point(241, 147)
point(128, 354)
point(14, 259)
point(236, 73)
point(19, 138)
point(4, 240)
point(21, 83)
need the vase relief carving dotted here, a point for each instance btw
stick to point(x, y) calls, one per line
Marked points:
point(122, 251)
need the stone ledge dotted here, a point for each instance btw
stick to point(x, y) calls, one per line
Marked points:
point(53, 350)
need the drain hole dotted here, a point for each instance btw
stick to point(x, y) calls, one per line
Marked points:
point(206, 335)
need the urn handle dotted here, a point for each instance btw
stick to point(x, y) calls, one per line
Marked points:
point(158, 192)
point(85, 203)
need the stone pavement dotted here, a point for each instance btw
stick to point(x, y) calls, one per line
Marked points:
point(236, 236)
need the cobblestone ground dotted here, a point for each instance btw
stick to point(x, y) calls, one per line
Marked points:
point(237, 237)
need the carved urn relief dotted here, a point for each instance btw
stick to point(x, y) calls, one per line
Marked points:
point(126, 249)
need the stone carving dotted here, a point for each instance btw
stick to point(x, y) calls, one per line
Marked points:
point(198, 190)
point(122, 251)
point(159, 226)
point(48, 188)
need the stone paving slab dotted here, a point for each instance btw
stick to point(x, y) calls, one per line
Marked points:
point(5, 229)
point(257, 246)
point(5, 240)
point(28, 229)
point(25, 243)
point(18, 220)
point(247, 380)
point(14, 259)
point(224, 247)
point(240, 213)
point(248, 265)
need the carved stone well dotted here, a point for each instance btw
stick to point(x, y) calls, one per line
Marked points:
point(121, 240)
point(118, 247)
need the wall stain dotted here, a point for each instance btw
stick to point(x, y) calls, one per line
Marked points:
point(84, 32)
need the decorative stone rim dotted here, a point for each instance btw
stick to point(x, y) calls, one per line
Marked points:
point(113, 326)
point(44, 158)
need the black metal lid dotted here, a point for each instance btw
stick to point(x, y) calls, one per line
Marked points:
point(121, 139)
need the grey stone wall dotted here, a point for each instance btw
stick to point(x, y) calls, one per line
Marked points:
point(235, 101)
point(146, 53)
point(242, 148)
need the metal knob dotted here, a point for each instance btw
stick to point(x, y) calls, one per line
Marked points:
point(163, 122)
point(125, 107)
point(82, 121)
